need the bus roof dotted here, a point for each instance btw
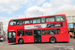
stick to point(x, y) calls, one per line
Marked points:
point(36, 17)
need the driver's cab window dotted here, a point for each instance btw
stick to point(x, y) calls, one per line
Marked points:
point(11, 35)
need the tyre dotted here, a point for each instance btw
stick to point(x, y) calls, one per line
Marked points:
point(21, 41)
point(52, 40)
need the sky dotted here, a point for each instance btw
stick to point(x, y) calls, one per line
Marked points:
point(13, 9)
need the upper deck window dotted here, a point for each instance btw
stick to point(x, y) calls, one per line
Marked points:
point(13, 23)
point(29, 21)
point(36, 20)
point(19, 22)
point(50, 19)
point(42, 20)
point(60, 18)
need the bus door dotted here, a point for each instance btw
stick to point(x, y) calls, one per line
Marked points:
point(37, 35)
point(12, 37)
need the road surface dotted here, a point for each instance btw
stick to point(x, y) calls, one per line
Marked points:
point(39, 46)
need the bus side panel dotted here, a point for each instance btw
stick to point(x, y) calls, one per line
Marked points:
point(64, 35)
point(28, 39)
point(17, 40)
point(44, 38)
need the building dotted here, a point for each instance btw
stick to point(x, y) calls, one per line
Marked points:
point(1, 29)
point(4, 33)
point(70, 19)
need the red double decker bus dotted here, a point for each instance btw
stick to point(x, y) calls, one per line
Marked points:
point(51, 28)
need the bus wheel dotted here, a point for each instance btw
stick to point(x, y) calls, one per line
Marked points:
point(20, 41)
point(52, 40)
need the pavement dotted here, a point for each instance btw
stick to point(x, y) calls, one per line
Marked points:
point(38, 46)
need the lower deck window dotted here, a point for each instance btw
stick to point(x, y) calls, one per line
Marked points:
point(28, 33)
point(58, 31)
point(20, 32)
point(43, 32)
point(51, 31)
